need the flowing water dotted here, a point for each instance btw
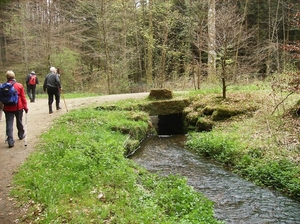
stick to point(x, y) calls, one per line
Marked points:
point(236, 200)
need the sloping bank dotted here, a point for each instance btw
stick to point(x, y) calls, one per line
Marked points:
point(79, 175)
point(244, 135)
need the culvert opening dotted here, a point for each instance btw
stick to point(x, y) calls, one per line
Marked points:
point(169, 124)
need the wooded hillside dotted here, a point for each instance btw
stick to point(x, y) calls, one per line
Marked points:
point(121, 46)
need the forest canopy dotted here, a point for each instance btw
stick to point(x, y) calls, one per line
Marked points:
point(122, 46)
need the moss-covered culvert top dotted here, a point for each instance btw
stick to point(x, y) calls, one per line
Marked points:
point(165, 107)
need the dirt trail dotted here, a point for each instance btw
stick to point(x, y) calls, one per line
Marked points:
point(38, 120)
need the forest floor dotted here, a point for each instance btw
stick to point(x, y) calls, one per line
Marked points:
point(38, 121)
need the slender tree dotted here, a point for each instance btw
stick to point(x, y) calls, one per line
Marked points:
point(199, 42)
point(211, 38)
point(150, 44)
point(231, 37)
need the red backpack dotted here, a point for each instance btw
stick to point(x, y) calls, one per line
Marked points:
point(32, 80)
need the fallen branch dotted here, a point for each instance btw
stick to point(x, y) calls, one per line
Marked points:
point(281, 102)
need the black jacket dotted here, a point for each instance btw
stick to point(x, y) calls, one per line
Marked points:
point(51, 80)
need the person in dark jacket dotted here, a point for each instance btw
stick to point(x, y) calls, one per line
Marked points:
point(12, 111)
point(31, 87)
point(53, 88)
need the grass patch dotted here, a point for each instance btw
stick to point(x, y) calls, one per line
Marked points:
point(222, 147)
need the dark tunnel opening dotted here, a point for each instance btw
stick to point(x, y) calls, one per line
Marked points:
point(169, 124)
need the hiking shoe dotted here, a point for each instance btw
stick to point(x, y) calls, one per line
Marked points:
point(58, 108)
point(10, 143)
point(22, 137)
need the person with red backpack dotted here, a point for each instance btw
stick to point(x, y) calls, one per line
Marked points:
point(31, 81)
point(15, 109)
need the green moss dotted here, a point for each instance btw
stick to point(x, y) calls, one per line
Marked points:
point(204, 124)
point(208, 111)
point(222, 114)
point(160, 94)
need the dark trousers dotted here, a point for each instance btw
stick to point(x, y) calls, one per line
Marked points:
point(51, 93)
point(31, 92)
point(9, 116)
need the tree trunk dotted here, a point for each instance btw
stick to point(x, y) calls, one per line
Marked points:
point(224, 88)
point(211, 38)
point(163, 59)
point(199, 70)
point(149, 65)
point(223, 76)
point(107, 54)
point(2, 45)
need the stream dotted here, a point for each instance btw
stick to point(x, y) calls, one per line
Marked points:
point(236, 200)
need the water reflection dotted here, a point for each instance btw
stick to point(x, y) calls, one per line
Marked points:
point(236, 200)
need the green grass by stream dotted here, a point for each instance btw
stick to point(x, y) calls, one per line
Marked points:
point(79, 175)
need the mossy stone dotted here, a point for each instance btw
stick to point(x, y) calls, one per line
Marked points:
point(204, 125)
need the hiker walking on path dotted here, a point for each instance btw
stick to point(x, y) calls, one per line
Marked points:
point(53, 88)
point(15, 110)
point(31, 81)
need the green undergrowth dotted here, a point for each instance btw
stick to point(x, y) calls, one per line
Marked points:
point(276, 172)
point(79, 174)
